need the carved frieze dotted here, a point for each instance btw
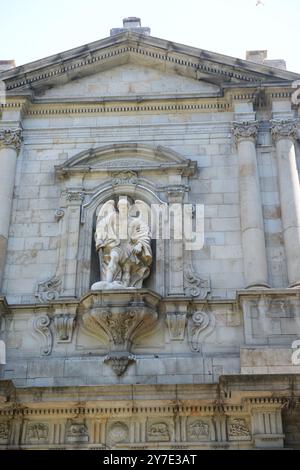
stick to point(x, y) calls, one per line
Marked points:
point(76, 432)
point(198, 430)
point(246, 130)
point(37, 432)
point(11, 138)
point(124, 177)
point(158, 431)
point(118, 432)
point(41, 326)
point(4, 431)
point(238, 429)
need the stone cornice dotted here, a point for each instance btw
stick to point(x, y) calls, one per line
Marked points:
point(245, 131)
point(239, 393)
point(284, 129)
point(4, 308)
point(11, 138)
point(150, 106)
point(194, 62)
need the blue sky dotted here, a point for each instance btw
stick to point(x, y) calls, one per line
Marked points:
point(33, 29)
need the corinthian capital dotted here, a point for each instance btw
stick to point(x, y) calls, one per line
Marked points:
point(246, 130)
point(284, 129)
point(11, 138)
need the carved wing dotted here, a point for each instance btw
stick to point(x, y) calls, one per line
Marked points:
point(106, 224)
point(142, 212)
point(139, 229)
point(106, 209)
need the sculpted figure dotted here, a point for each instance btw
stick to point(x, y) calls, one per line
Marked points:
point(123, 239)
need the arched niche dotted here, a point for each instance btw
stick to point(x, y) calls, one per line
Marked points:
point(88, 260)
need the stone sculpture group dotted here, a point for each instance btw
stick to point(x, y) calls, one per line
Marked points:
point(123, 240)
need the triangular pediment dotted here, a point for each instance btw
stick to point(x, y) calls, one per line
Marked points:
point(129, 80)
point(126, 157)
point(202, 66)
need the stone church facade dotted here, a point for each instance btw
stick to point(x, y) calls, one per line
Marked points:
point(203, 354)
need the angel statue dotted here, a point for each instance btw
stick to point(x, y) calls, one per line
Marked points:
point(122, 240)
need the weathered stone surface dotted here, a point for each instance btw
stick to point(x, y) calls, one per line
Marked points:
point(203, 351)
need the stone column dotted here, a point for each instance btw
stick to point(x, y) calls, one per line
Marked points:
point(284, 133)
point(10, 143)
point(252, 227)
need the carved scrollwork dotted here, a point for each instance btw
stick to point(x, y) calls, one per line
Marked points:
point(283, 129)
point(59, 214)
point(246, 130)
point(195, 286)
point(11, 138)
point(199, 326)
point(119, 325)
point(127, 316)
point(124, 177)
point(41, 326)
point(49, 290)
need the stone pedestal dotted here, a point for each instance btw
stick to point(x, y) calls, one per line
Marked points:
point(253, 238)
point(117, 323)
point(10, 141)
point(283, 133)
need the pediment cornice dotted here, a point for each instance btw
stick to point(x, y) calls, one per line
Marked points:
point(153, 52)
point(121, 157)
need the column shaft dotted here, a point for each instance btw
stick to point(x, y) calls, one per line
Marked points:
point(252, 227)
point(284, 133)
point(9, 146)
